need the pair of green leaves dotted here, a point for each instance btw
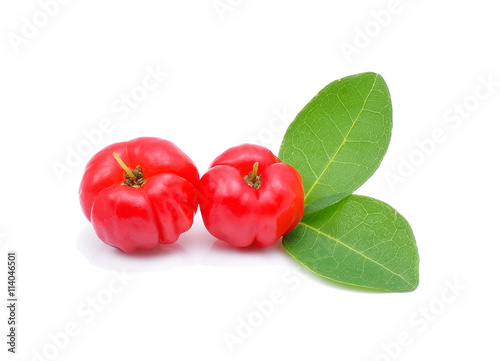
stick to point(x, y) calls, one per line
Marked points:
point(336, 143)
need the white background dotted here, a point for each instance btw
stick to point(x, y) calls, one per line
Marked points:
point(229, 72)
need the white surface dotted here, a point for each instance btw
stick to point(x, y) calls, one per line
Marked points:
point(226, 79)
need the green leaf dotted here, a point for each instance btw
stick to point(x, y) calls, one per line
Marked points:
point(358, 241)
point(340, 137)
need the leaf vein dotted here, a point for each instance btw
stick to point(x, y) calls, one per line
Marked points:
point(343, 142)
point(355, 251)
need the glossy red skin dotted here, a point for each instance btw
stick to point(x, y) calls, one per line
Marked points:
point(140, 218)
point(235, 212)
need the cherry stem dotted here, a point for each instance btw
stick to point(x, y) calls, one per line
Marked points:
point(127, 169)
point(254, 172)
